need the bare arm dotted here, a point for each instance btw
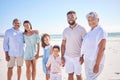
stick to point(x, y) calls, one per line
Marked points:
point(101, 51)
point(63, 51)
point(100, 55)
point(51, 49)
point(38, 44)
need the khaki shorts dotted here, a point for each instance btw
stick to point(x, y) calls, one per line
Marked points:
point(15, 61)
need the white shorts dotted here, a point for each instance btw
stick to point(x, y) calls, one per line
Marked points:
point(56, 76)
point(72, 64)
point(89, 65)
point(17, 60)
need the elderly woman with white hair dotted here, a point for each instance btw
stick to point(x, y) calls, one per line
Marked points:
point(93, 47)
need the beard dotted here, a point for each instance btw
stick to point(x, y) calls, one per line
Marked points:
point(71, 22)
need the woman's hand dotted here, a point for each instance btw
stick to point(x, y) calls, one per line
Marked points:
point(37, 56)
point(96, 69)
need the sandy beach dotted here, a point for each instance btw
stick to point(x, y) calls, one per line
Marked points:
point(111, 69)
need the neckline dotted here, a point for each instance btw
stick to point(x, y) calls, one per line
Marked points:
point(95, 28)
point(74, 27)
point(29, 35)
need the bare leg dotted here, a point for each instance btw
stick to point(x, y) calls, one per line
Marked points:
point(9, 73)
point(28, 69)
point(79, 77)
point(33, 69)
point(47, 76)
point(19, 69)
point(70, 76)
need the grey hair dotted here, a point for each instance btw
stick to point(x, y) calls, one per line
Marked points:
point(92, 14)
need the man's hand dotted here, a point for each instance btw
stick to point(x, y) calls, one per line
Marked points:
point(63, 61)
point(7, 57)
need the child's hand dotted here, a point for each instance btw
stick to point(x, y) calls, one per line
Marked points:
point(41, 56)
point(36, 56)
point(48, 67)
point(81, 60)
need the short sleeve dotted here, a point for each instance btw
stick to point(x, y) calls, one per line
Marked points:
point(83, 33)
point(63, 35)
point(102, 35)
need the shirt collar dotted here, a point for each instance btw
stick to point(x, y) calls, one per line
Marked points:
point(74, 27)
point(95, 28)
point(15, 30)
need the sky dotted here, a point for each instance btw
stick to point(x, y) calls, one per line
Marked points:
point(49, 16)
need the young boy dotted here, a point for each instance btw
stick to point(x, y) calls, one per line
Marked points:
point(54, 64)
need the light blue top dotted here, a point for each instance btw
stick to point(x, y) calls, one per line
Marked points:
point(30, 46)
point(45, 58)
point(13, 42)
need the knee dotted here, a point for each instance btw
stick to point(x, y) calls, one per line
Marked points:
point(34, 70)
point(18, 67)
point(71, 74)
point(10, 68)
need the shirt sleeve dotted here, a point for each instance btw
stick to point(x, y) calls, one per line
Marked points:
point(49, 61)
point(63, 35)
point(6, 42)
point(83, 33)
point(102, 35)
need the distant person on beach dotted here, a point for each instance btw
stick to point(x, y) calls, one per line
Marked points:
point(71, 47)
point(13, 47)
point(54, 64)
point(93, 47)
point(32, 48)
point(45, 40)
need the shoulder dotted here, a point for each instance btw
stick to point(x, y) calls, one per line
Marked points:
point(66, 30)
point(8, 31)
point(101, 30)
point(36, 31)
point(81, 27)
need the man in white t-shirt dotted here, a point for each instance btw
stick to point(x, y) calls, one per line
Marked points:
point(93, 47)
point(71, 47)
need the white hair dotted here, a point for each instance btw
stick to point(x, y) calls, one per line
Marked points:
point(92, 14)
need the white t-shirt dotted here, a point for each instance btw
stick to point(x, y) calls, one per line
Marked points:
point(55, 64)
point(91, 42)
point(74, 38)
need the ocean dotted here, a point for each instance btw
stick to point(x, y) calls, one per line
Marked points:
point(59, 36)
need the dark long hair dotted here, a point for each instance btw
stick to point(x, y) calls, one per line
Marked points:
point(42, 39)
point(26, 21)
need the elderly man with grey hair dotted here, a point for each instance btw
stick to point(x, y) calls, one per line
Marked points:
point(13, 48)
point(93, 47)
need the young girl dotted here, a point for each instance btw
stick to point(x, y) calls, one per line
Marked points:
point(31, 40)
point(54, 64)
point(45, 39)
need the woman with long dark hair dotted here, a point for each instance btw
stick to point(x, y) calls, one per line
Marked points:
point(31, 54)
